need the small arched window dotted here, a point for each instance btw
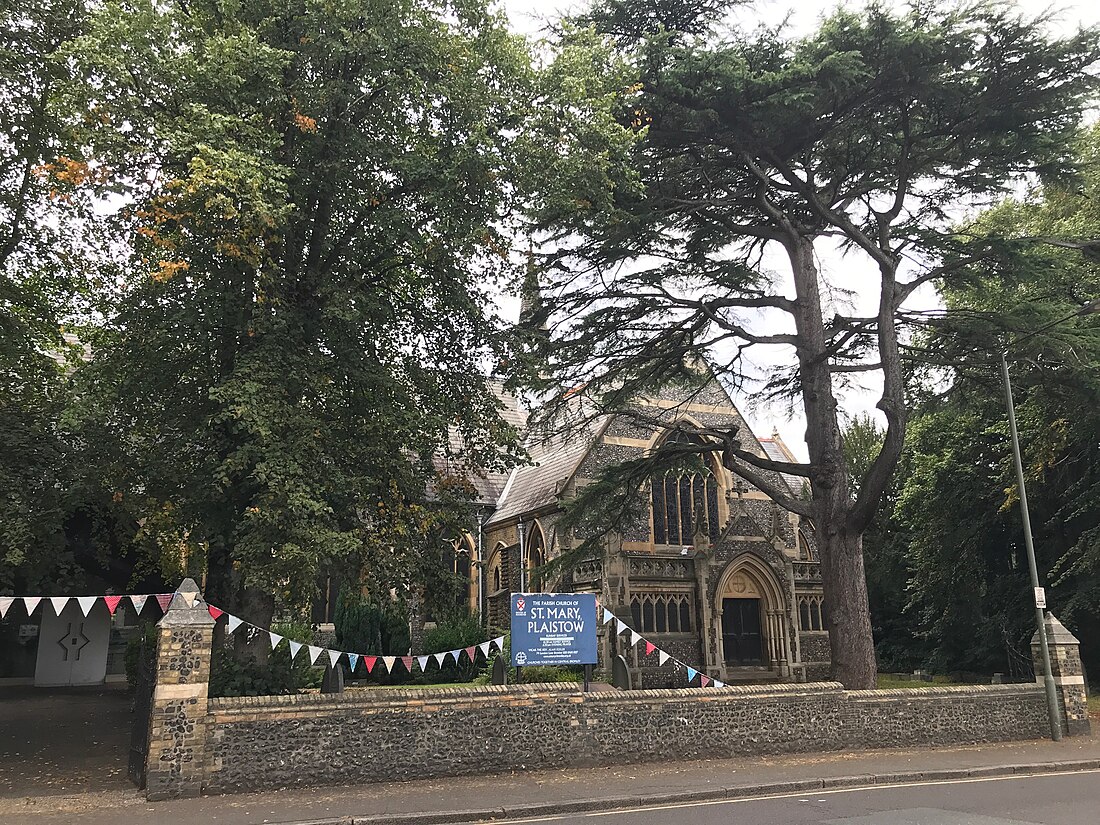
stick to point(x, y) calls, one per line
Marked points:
point(684, 503)
point(536, 558)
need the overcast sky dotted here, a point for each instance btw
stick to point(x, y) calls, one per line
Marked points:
point(529, 16)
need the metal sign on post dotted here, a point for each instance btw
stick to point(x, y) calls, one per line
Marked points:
point(1040, 598)
point(553, 629)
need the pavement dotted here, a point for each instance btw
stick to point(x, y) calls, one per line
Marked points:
point(550, 794)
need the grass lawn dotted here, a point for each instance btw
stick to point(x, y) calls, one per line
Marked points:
point(893, 683)
point(1094, 704)
point(414, 687)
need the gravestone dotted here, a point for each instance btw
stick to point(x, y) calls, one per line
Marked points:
point(333, 680)
point(500, 671)
point(620, 673)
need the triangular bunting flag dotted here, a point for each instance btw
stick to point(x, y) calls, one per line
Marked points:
point(333, 657)
point(691, 674)
point(138, 602)
point(112, 603)
point(215, 612)
point(5, 603)
point(423, 662)
point(388, 662)
point(620, 626)
point(294, 648)
point(649, 647)
point(275, 639)
point(31, 602)
point(232, 623)
point(370, 662)
point(704, 680)
point(499, 642)
point(59, 603)
point(439, 657)
point(607, 616)
point(407, 661)
point(719, 684)
point(164, 599)
point(634, 639)
point(190, 597)
point(471, 651)
point(484, 648)
point(353, 660)
point(662, 657)
point(86, 603)
point(314, 653)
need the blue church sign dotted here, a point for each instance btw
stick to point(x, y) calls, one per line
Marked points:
point(553, 629)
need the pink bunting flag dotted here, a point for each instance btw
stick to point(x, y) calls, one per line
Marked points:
point(407, 661)
point(370, 662)
point(704, 680)
point(138, 602)
point(470, 652)
point(112, 603)
point(164, 599)
point(649, 647)
point(215, 612)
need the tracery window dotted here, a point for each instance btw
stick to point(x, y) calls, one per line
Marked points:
point(811, 613)
point(536, 558)
point(680, 501)
point(661, 612)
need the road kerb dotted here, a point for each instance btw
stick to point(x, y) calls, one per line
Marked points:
point(702, 795)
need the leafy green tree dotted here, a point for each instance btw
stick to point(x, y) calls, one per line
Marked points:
point(316, 199)
point(959, 503)
point(866, 136)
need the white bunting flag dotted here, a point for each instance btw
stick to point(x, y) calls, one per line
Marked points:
point(5, 603)
point(314, 653)
point(59, 603)
point(662, 657)
point(294, 648)
point(423, 662)
point(139, 602)
point(233, 622)
point(607, 616)
point(439, 657)
point(86, 603)
point(275, 639)
point(719, 684)
point(484, 648)
point(388, 662)
point(620, 627)
point(333, 657)
point(31, 602)
point(634, 638)
point(499, 642)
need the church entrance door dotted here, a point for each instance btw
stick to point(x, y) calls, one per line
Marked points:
point(741, 636)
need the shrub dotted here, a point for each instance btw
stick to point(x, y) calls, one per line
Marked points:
point(230, 676)
point(453, 634)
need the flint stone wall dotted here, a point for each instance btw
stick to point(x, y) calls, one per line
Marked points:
point(377, 736)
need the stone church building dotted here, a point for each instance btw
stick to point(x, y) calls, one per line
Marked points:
point(717, 574)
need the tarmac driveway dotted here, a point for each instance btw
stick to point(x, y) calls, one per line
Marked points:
point(57, 741)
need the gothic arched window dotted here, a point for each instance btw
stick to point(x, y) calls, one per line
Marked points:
point(536, 558)
point(684, 501)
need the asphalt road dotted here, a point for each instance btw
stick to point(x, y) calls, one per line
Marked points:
point(1044, 799)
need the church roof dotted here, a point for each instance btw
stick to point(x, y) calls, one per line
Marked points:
point(776, 450)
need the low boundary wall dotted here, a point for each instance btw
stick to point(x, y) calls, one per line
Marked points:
point(384, 735)
point(197, 744)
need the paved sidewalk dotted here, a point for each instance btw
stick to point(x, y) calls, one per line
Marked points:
point(468, 799)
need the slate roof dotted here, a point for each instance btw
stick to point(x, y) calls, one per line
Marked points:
point(777, 452)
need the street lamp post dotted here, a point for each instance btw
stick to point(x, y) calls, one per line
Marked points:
point(1048, 678)
point(1052, 695)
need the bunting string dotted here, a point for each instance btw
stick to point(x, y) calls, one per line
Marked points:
point(86, 603)
point(388, 663)
point(663, 658)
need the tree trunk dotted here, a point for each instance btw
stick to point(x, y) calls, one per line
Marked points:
point(851, 642)
point(840, 550)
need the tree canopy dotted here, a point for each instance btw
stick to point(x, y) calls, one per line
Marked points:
point(757, 150)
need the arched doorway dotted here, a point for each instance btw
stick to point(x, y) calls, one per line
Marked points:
point(751, 616)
